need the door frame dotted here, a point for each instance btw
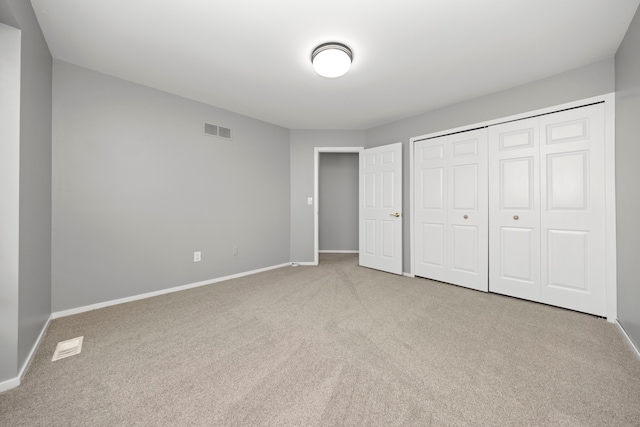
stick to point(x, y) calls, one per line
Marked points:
point(610, 179)
point(316, 205)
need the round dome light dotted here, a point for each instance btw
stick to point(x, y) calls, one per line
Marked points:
point(331, 59)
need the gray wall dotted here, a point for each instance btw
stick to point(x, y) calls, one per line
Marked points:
point(34, 269)
point(137, 188)
point(35, 180)
point(591, 80)
point(303, 143)
point(9, 199)
point(338, 198)
point(628, 179)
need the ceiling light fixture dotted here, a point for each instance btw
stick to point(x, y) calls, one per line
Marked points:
point(331, 59)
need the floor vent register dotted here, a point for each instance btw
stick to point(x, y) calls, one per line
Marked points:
point(67, 348)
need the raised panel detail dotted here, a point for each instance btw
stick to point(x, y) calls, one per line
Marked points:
point(568, 180)
point(465, 257)
point(387, 189)
point(370, 190)
point(465, 187)
point(521, 138)
point(433, 153)
point(388, 228)
point(464, 148)
point(516, 182)
point(432, 188)
point(568, 259)
point(433, 240)
point(567, 131)
point(370, 236)
point(516, 253)
point(370, 160)
point(387, 157)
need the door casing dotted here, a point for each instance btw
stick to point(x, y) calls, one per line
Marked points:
point(316, 201)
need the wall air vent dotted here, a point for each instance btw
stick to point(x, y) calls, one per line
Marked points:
point(217, 131)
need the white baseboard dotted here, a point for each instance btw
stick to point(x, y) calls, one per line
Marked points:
point(32, 353)
point(15, 382)
point(304, 263)
point(626, 336)
point(405, 274)
point(338, 252)
point(9, 384)
point(86, 308)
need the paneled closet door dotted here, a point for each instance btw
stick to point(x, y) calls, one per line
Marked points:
point(572, 150)
point(547, 237)
point(451, 209)
point(514, 209)
point(431, 209)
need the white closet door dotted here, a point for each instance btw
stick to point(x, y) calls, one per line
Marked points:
point(431, 209)
point(451, 209)
point(514, 209)
point(547, 240)
point(572, 150)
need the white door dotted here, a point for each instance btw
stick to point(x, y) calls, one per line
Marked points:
point(381, 208)
point(451, 209)
point(514, 206)
point(547, 209)
point(573, 239)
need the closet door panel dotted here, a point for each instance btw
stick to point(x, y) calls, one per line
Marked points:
point(468, 210)
point(464, 244)
point(514, 209)
point(431, 209)
point(518, 255)
point(432, 180)
point(517, 177)
point(573, 209)
point(451, 209)
point(433, 248)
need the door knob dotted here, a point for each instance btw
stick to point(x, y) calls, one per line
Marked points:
point(466, 216)
point(516, 217)
point(395, 214)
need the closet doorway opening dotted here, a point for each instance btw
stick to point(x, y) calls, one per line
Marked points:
point(336, 206)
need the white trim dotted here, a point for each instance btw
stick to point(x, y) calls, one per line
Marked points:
point(32, 353)
point(15, 382)
point(9, 384)
point(610, 203)
point(600, 98)
point(405, 274)
point(412, 214)
point(626, 337)
point(86, 308)
point(316, 201)
point(307, 263)
point(610, 207)
point(329, 251)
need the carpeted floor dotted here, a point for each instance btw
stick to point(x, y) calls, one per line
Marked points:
point(330, 345)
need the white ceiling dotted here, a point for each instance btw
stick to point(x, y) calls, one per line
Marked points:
point(410, 56)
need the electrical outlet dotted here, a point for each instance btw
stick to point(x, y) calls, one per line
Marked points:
point(309, 200)
point(235, 251)
point(197, 256)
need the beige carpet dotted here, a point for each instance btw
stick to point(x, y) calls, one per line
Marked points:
point(330, 345)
